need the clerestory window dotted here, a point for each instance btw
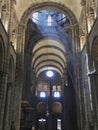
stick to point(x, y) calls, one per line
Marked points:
point(49, 21)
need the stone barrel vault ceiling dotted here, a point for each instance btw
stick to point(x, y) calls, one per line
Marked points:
point(23, 5)
point(49, 54)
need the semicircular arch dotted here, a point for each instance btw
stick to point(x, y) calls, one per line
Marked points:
point(48, 5)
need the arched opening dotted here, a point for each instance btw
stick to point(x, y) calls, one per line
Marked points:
point(57, 115)
point(41, 107)
point(57, 107)
point(49, 47)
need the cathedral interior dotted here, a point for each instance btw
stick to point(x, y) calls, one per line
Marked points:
point(48, 65)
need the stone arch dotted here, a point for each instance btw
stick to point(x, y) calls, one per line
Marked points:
point(22, 29)
point(21, 37)
point(2, 53)
point(45, 5)
point(23, 23)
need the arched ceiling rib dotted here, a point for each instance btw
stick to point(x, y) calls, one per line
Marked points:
point(48, 68)
point(48, 53)
point(50, 57)
point(49, 63)
point(50, 43)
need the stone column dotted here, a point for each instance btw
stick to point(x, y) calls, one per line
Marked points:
point(3, 81)
point(7, 120)
point(76, 50)
point(94, 101)
point(93, 75)
point(77, 74)
point(19, 77)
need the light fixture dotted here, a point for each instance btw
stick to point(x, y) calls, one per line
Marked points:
point(49, 73)
point(58, 124)
point(42, 120)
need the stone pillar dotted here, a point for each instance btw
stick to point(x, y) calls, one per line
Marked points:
point(77, 74)
point(3, 82)
point(94, 101)
point(7, 114)
point(19, 77)
point(93, 75)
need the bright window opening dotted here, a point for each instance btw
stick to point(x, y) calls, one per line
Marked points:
point(42, 94)
point(49, 20)
point(56, 94)
point(35, 17)
point(49, 73)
